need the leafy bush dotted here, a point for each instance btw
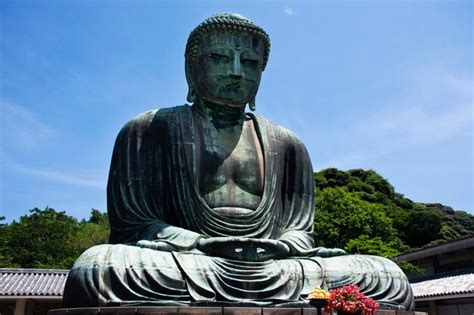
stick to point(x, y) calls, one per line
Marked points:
point(360, 211)
point(49, 239)
point(342, 216)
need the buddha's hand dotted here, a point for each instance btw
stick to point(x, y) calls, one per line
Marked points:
point(328, 252)
point(242, 248)
point(156, 245)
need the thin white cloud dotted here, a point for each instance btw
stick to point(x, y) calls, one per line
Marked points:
point(53, 176)
point(288, 11)
point(414, 125)
point(22, 132)
point(437, 108)
point(21, 129)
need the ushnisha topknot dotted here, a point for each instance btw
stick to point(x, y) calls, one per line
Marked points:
point(226, 22)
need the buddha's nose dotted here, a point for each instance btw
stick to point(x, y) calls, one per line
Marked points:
point(236, 70)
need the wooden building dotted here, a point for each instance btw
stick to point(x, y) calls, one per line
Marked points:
point(447, 286)
point(31, 291)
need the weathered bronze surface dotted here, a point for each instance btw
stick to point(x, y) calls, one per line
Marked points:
point(225, 310)
point(210, 205)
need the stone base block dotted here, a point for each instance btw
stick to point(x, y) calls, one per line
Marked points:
point(189, 310)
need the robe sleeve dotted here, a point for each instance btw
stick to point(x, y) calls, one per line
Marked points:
point(299, 203)
point(298, 198)
point(137, 200)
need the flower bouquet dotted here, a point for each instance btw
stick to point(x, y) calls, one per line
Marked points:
point(349, 300)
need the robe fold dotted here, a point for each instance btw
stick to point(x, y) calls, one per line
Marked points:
point(153, 195)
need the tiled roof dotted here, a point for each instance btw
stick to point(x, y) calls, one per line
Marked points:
point(461, 284)
point(32, 282)
point(437, 249)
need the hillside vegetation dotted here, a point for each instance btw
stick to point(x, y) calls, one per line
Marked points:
point(360, 211)
point(50, 239)
point(356, 210)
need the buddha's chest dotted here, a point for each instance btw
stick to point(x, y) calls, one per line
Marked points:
point(230, 166)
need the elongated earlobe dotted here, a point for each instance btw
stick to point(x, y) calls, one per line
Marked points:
point(252, 105)
point(191, 95)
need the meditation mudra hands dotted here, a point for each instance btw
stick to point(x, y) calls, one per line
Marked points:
point(240, 248)
point(243, 248)
point(237, 248)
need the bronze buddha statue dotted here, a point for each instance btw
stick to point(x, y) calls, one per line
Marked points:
point(210, 204)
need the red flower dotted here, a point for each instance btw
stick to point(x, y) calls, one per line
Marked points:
point(349, 299)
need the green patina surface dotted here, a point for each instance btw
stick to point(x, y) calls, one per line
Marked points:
point(210, 204)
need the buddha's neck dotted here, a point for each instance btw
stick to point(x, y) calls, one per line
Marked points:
point(222, 116)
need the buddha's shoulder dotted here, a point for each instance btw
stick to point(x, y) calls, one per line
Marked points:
point(143, 122)
point(273, 130)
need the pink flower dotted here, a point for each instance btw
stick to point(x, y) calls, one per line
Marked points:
point(349, 299)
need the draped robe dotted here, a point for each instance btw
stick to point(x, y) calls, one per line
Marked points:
point(153, 194)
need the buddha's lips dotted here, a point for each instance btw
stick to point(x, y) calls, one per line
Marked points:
point(232, 86)
point(235, 85)
point(228, 83)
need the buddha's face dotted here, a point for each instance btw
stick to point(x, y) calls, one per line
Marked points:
point(228, 68)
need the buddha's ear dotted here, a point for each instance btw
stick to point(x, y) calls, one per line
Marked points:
point(252, 105)
point(191, 91)
point(191, 98)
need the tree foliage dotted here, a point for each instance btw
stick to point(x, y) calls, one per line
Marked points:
point(360, 211)
point(416, 224)
point(49, 239)
point(342, 216)
point(365, 244)
point(423, 227)
point(93, 232)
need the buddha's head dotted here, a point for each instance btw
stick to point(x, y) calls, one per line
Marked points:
point(225, 57)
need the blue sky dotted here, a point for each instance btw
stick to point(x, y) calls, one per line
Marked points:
point(385, 85)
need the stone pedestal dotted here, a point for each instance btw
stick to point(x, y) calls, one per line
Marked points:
point(185, 310)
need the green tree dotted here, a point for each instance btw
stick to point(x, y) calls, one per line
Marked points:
point(380, 184)
point(50, 239)
point(6, 259)
point(41, 240)
point(96, 231)
point(411, 220)
point(333, 178)
point(373, 246)
point(98, 217)
point(342, 216)
point(422, 227)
